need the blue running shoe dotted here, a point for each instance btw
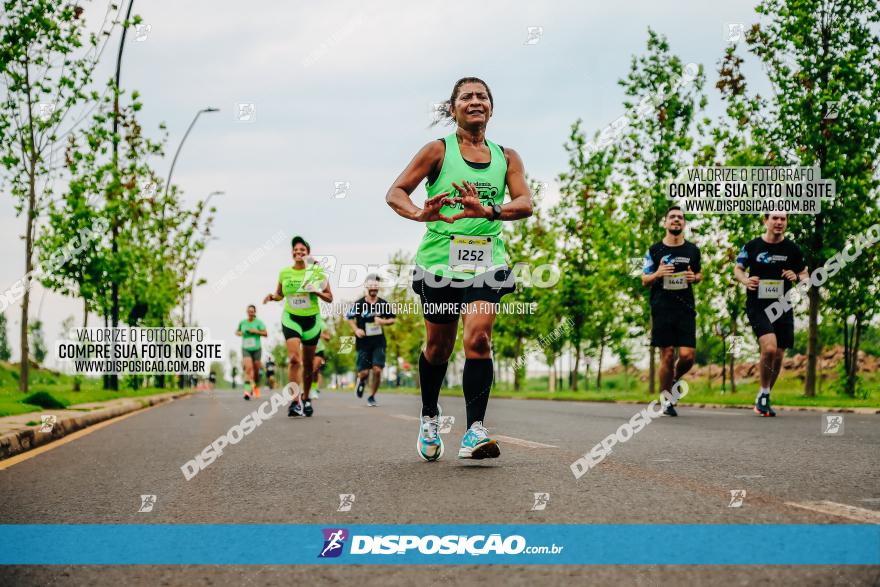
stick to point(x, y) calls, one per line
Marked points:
point(762, 405)
point(430, 445)
point(476, 444)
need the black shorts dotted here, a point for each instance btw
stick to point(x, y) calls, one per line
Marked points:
point(673, 328)
point(255, 354)
point(306, 323)
point(370, 357)
point(783, 327)
point(442, 304)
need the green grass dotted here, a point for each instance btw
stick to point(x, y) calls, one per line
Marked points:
point(60, 388)
point(788, 391)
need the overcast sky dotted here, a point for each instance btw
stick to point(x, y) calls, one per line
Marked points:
point(342, 92)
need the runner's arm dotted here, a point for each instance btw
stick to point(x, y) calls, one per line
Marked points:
point(274, 297)
point(325, 294)
point(354, 327)
point(741, 276)
point(425, 161)
point(520, 204)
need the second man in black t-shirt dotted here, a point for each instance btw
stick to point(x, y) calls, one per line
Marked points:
point(368, 317)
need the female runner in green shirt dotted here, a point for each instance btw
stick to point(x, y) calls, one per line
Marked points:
point(301, 286)
point(461, 265)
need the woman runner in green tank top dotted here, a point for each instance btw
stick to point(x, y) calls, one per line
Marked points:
point(301, 286)
point(461, 262)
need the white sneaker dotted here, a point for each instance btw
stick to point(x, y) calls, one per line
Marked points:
point(430, 445)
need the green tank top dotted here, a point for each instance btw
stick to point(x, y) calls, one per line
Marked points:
point(297, 300)
point(468, 246)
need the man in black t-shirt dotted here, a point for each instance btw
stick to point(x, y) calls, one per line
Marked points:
point(672, 266)
point(773, 263)
point(367, 318)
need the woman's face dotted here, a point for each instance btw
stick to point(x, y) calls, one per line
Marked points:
point(472, 106)
point(300, 252)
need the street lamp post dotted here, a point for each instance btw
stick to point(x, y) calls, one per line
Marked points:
point(180, 146)
point(192, 283)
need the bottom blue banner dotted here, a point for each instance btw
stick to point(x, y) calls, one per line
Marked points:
point(271, 544)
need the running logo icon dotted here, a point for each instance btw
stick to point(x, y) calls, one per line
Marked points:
point(636, 266)
point(736, 32)
point(832, 424)
point(346, 344)
point(48, 422)
point(541, 501)
point(737, 496)
point(147, 503)
point(142, 31)
point(737, 346)
point(341, 189)
point(334, 540)
point(245, 112)
point(346, 500)
point(535, 33)
point(446, 423)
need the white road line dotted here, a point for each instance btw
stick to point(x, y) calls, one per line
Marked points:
point(510, 439)
point(839, 509)
point(521, 442)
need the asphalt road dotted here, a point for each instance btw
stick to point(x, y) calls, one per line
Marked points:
point(292, 471)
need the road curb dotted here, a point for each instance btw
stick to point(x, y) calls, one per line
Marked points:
point(19, 441)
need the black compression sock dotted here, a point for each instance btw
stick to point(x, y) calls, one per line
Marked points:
point(430, 380)
point(477, 382)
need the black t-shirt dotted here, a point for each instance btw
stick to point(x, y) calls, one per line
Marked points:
point(672, 293)
point(270, 366)
point(768, 261)
point(364, 314)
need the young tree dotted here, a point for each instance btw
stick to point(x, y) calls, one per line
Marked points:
point(821, 58)
point(5, 352)
point(44, 70)
point(37, 342)
point(664, 98)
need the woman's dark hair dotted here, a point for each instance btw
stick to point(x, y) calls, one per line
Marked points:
point(445, 108)
point(252, 306)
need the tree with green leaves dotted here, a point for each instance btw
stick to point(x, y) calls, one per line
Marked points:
point(46, 61)
point(821, 57)
point(37, 342)
point(5, 351)
point(592, 260)
point(664, 98)
point(530, 246)
point(149, 260)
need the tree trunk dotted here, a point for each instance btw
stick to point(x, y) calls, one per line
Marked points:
point(577, 366)
point(599, 368)
point(24, 369)
point(105, 376)
point(812, 343)
point(85, 313)
point(516, 366)
point(732, 359)
point(551, 377)
point(854, 367)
